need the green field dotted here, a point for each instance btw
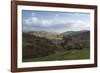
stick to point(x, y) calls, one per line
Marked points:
point(47, 35)
point(64, 55)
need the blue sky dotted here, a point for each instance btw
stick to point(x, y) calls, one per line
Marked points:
point(54, 21)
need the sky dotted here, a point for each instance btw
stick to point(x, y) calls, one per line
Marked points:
point(54, 21)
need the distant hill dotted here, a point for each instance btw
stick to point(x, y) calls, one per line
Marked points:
point(79, 35)
point(76, 36)
point(80, 38)
point(48, 35)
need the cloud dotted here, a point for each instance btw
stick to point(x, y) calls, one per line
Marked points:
point(30, 22)
point(35, 20)
point(33, 14)
point(80, 25)
point(54, 24)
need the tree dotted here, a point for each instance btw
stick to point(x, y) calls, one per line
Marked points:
point(66, 39)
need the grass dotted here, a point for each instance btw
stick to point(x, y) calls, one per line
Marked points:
point(65, 55)
point(48, 35)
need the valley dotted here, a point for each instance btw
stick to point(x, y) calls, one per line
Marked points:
point(46, 46)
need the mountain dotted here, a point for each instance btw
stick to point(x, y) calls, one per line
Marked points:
point(79, 35)
point(77, 38)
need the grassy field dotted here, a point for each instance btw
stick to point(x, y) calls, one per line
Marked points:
point(47, 35)
point(65, 55)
